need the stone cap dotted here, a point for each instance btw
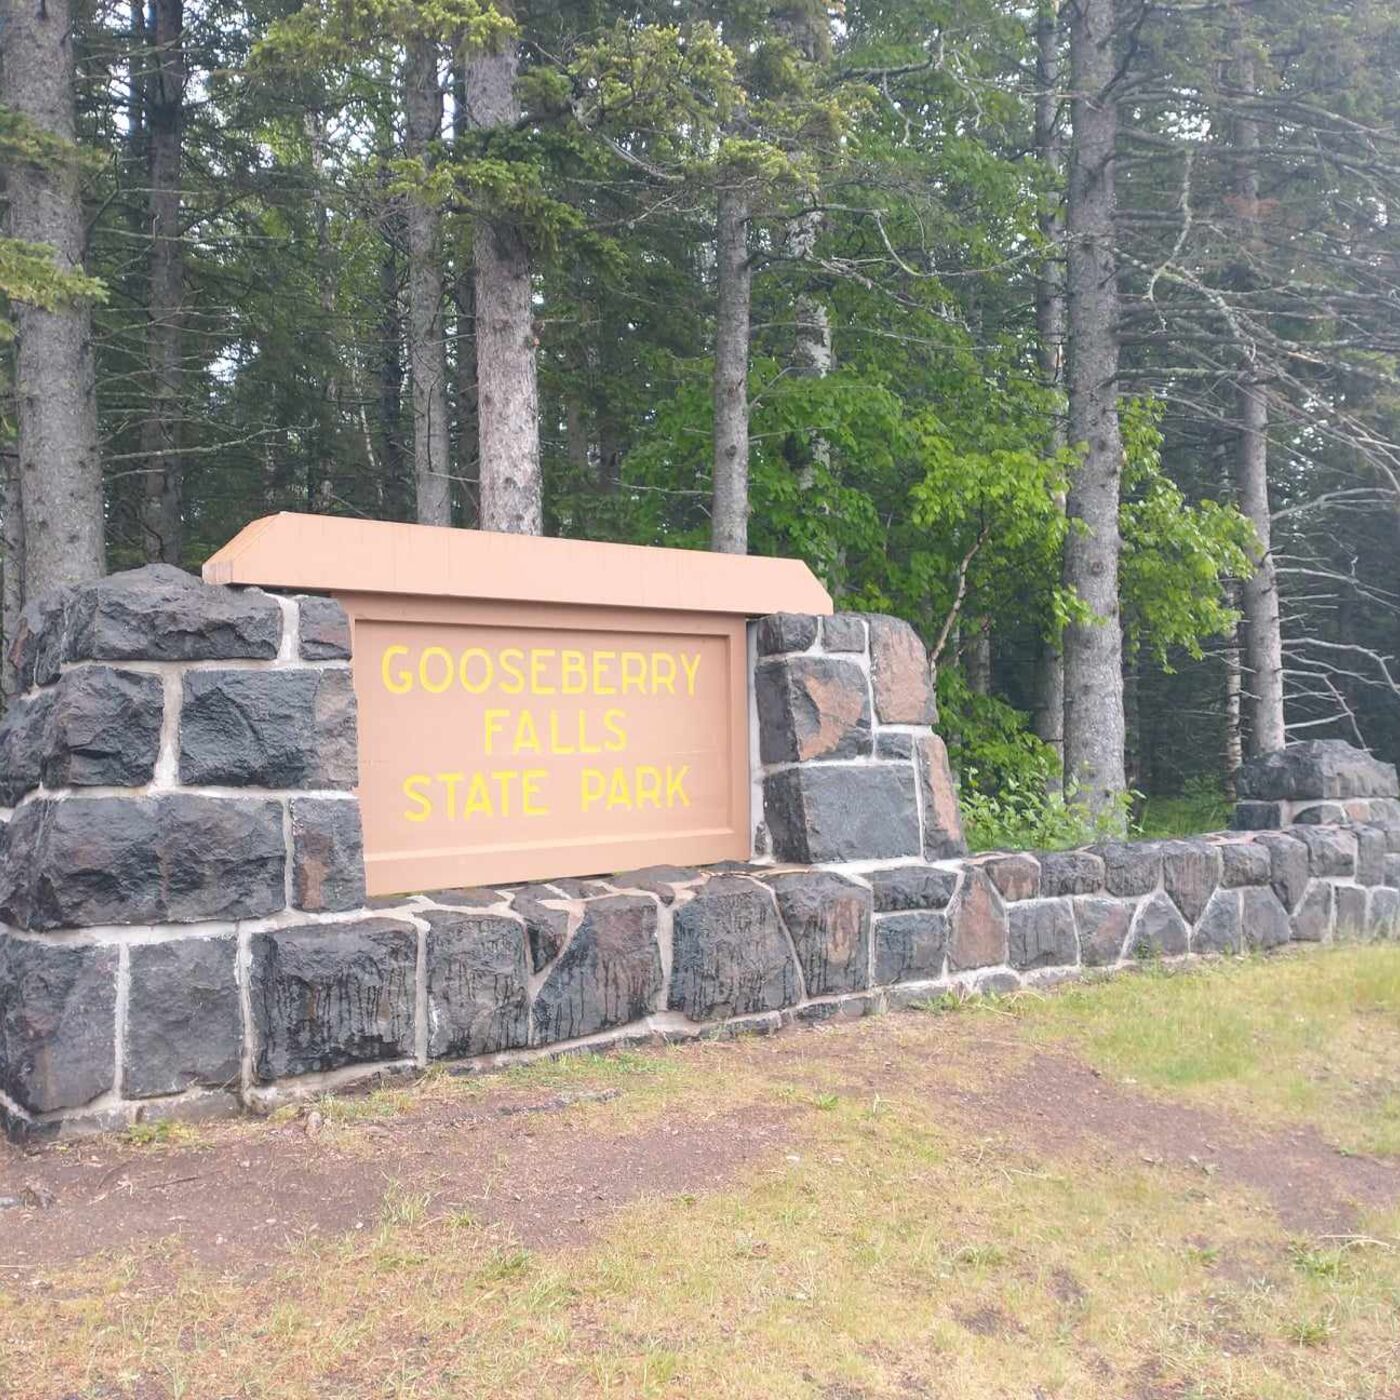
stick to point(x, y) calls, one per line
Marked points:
point(1316, 769)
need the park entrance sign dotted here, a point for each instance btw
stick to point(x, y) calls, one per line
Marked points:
point(531, 708)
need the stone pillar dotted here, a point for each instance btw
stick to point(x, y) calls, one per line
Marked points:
point(851, 769)
point(1323, 781)
point(177, 775)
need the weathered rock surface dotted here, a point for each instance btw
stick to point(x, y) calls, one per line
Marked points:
point(730, 955)
point(184, 1026)
point(1331, 852)
point(780, 632)
point(1349, 903)
point(895, 744)
point(161, 613)
point(910, 947)
point(1158, 930)
point(1257, 816)
point(328, 854)
point(977, 924)
point(899, 673)
point(546, 923)
point(57, 1023)
point(904, 887)
point(1264, 919)
point(22, 744)
point(1131, 868)
point(1190, 874)
point(478, 984)
point(1370, 855)
point(609, 974)
point(327, 995)
point(1042, 934)
point(1288, 863)
point(843, 632)
point(1319, 768)
point(1320, 814)
point(1016, 876)
point(828, 919)
point(323, 629)
point(1383, 920)
point(37, 649)
point(943, 833)
point(1070, 872)
point(1220, 929)
point(179, 857)
point(103, 728)
point(1312, 920)
point(1103, 928)
point(660, 880)
point(1244, 863)
point(275, 729)
point(811, 707)
point(818, 813)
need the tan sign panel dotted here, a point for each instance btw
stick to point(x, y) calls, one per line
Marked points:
point(504, 740)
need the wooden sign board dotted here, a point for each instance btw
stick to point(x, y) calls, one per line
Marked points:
point(533, 708)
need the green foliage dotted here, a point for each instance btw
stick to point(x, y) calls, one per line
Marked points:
point(1021, 817)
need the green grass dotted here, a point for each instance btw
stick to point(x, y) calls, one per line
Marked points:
point(1188, 814)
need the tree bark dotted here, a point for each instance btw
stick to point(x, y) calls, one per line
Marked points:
point(464, 334)
point(979, 657)
point(1049, 682)
point(12, 580)
point(160, 430)
point(427, 343)
point(508, 405)
point(320, 485)
point(1094, 724)
point(60, 467)
point(1263, 633)
point(729, 520)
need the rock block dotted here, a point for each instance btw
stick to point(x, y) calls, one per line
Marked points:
point(977, 924)
point(1392, 871)
point(1331, 851)
point(1070, 872)
point(37, 649)
point(1244, 863)
point(903, 887)
point(608, 975)
point(1257, 816)
point(1103, 926)
point(897, 745)
point(1288, 865)
point(1263, 918)
point(22, 744)
point(1015, 876)
point(323, 629)
point(328, 854)
point(103, 728)
point(1383, 918)
point(1042, 934)
point(1312, 919)
point(811, 707)
point(780, 632)
point(478, 984)
point(175, 858)
point(275, 729)
point(328, 995)
point(1190, 874)
point(899, 673)
point(1370, 855)
point(1131, 868)
point(184, 1025)
point(1158, 930)
point(660, 880)
point(546, 922)
point(1221, 927)
point(161, 613)
point(828, 919)
point(1317, 769)
point(834, 812)
point(730, 955)
point(57, 1023)
point(1320, 814)
point(1350, 906)
point(843, 632)
point(943, 833)
point(910, 947)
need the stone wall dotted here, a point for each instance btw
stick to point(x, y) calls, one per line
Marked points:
point(181, 877)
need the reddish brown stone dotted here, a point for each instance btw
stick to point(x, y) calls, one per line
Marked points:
point(811, 707)
point(943, 834)
point(1015, 876)
point(977, 920)
point(899, 669)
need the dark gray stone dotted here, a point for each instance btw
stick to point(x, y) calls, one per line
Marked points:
point(464, 897)
point(1042, 934)
point(1159, 930)
point(899, 673)
point(608, 975)
point(1375, 811)
point(843, 632)
point(1221, 928)
point(1190, 874)
point(276, 729)
point(103, 728)
point(818, 813)
point(1383, 920)
point(571, 888)
point(176, 858)
point(1319, 768)
point(977, 933)
point(1264, 919)
point(1015, 876)
point(1331, 852)
point(1257, 816)
point(1244, 863)
point(1288, 864)
point(323, 629)
point(780, 632)
point(1392, 871)
point(828, 919)
point(478, 984)
point(1103, 928)
point(184, 1025)
point(942, 819)
point(660, 880)
point(1070, 872)
point(811, 707)
point(161, 613)
point(1320, 814)
point(1312, 919)
point(909, 947)
point(1392, 839)
point(1131, 868)
point(547, 927)
point(1350, 903)
point(896, 745)
point(328, 854)
point(57, 1023)
point(22, 745)
point(1370, 855)
point(328, 995)
point(904, 887)
point(37, 649)
point(730, 956)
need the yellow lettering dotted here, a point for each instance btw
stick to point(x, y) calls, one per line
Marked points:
point(556, 744)
point(648, 787)
point(601, 661)
point(505, 780)
point(527, 739)
point(495, 719)
point(634, 672)
point(511, 661)
point(691, 665)
point(591, 787)
point(619, 794)
point(488, 671)
point(537, 664)
point(401, 682)
point(663, 672)
point(437, 653)
point(450, 781)
point(412, 789)
point(583, 745)
point(530, 792)
point(478, 797)
point(675, 779)
point(612, 722)
point(574, 673)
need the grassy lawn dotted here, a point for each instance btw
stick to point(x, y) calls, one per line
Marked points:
point(1143, 1188)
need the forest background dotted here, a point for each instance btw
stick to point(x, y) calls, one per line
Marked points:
point(1067, 332)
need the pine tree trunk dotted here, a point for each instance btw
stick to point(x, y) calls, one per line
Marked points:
point(729, 521)
point(60, 467)
point(979, 656)
point(1259, 594)
point(394, 487)
point(160, 431)
point(320, 485)
point(1234, 738)
point(507, 401)
point(1050, 327)
point(427, 342)
point(1094, 724)
point(12, 579)
point(464, 335)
